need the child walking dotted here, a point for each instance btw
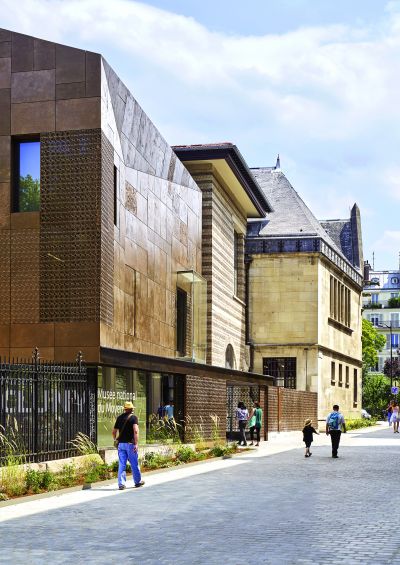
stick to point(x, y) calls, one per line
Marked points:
point(308, 432)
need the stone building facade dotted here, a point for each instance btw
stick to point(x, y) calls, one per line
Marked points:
point(230, 197)
point(305, 298)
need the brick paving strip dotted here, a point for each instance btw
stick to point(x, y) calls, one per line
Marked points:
point(269, 505)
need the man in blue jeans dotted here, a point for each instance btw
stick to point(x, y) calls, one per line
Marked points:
point(128, 444)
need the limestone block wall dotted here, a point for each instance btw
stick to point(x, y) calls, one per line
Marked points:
point(283, 299)
point(329, 335)
point(157, 230)
point(225, 310)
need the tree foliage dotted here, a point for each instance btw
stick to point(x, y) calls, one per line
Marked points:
point(392, 368)
point(29, 194)
point(375, 393)
point(372, 342)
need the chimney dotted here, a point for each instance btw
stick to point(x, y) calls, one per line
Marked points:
point(367, 272)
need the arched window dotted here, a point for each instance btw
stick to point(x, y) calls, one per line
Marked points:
point(230, 361)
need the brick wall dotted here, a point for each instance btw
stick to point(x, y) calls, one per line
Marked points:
point(205, 396)
point(288, 408)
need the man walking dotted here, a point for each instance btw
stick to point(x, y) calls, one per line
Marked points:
point(128, 444)
point(335, 424)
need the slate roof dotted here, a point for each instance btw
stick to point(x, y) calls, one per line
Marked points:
point(291, 216)
point(341, 233)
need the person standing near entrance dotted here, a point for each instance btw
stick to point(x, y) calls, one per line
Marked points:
point(127, 428)
point(169, 414)
point(335, 424)
point(242, 415)
point(256, 423)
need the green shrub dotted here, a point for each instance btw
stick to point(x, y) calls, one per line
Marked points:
point(185, 454)
point(359, 423)
point(68, 476)
point(38, 481)
point(153, 460)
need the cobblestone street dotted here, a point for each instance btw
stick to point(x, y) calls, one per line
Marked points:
point(280, 508)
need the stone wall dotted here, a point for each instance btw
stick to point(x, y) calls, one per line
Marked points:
point(157, 230)
point(225, 310)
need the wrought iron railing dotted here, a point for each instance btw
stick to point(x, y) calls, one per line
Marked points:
point(43, 405)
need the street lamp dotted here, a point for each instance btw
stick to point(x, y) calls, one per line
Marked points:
point(390, 327)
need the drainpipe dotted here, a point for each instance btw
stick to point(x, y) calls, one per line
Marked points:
point(247, 262)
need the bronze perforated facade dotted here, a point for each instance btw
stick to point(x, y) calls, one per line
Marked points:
point(70, 230)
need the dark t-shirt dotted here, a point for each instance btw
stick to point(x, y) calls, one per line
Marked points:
point(308, 432)
point(127, 432)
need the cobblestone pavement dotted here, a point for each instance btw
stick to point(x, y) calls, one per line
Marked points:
point(276, 509)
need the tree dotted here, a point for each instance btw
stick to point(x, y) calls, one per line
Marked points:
point(29, 194)
point(392, 368)
point(372, 343)
point(375, 393)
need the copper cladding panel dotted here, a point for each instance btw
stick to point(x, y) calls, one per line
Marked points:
point(70, 235)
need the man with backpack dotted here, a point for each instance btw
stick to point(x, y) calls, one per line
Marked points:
point(335, 424)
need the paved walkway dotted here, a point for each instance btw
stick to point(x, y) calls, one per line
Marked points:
point(272, 506)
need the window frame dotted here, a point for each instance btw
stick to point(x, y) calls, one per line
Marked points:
point(16, 168)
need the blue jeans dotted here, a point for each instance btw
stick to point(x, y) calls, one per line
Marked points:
point(126, 453)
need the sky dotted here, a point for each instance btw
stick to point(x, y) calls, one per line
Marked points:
point(316, 81)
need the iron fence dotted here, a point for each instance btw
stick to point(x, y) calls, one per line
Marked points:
point(43, 405)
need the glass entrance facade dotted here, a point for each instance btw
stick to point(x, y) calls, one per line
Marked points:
point(148, 391)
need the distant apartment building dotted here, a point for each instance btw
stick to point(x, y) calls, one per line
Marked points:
point(305, 285)
point(381, 306)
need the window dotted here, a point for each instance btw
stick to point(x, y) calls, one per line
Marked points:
point(340, 374)
point(347, 384)
point(333, 376)
point(26, 175)
point(340, 302)
point(388, 341)
point(115, 196)
point(355, 388)
point(235, 262)
point(376, 319)
point(374, 298)
point(282, 368)
point(395, 340)
point(394, 320)
point(181, 317)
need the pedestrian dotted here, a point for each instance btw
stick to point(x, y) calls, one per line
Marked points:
point(242, 415)
point(308, 432)
point(161, 411)
point(126, 435)
point(395, 418)
point(255, 423)
point(389, 412)
point(169, 414)
point(335, 424)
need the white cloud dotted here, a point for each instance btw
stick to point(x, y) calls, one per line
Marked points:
point(325, 97)
point(391, 178)
point(330, 80)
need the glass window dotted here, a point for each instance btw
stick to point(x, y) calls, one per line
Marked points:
point(26, 156)
point(283, 369)
point(181, 322)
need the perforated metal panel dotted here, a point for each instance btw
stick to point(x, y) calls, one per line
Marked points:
point(71, 250)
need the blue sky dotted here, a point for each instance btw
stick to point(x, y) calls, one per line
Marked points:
point(316, 81)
